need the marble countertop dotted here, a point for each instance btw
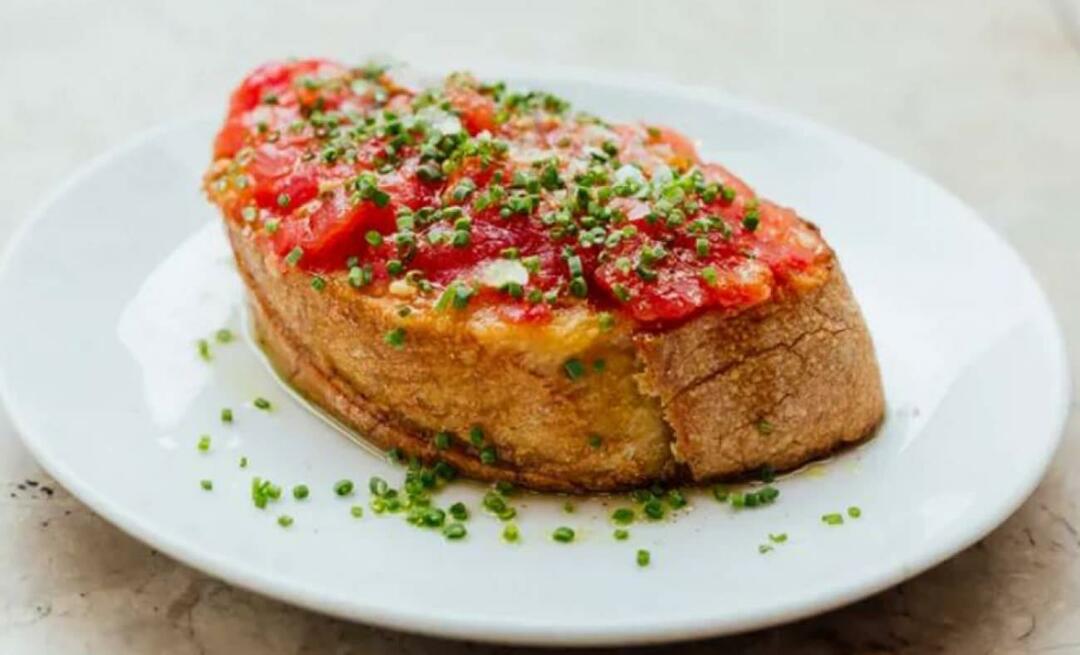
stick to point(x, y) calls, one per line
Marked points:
point(983, 96)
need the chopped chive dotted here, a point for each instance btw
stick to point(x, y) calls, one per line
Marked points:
point(676, 499)
point(373, 238)
point(293, 258)
point(459, 512)
point(357, 511)
point(301, 491)
point(623, 516)
point(226, 415)
point(377, 486)
point(283, 200)
point(606, 321)
point(243, 462)
point(763, 426)
point(563, 535)
point(654, 509)
point(343, 487)
point(778, 538)
point(764, 548)
point(487, 455)
point(643, 557)
point(318, 282)
point(709, 274)
point(476, 436)
point(854, 512)
point(574, 368)
point(510, 533)
point(832, 519)
point(204, 349)
point(204, 443)
point(207, 485)
point(595, 441)
point(395, 338)
point(701, 245)
point(224, 335)
point(263, 404)
point(454, 531)
point(442, 440)
point(360, 276)
point(433, 517)
point(621, 534)
point(285, 520)
point(721, 493)
point(568, 507)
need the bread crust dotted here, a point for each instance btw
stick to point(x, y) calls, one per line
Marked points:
point(718, 396)
point(774, 386)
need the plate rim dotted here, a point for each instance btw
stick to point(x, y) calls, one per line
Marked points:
point(505, 631)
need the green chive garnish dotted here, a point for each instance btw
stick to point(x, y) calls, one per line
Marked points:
point(285, 520)
point(643, 557)
point(476, 436)
point(300, 491)
point(204, 443)
point(207, 485)
point(343, 487)
point(377, 486)
point(395, 338)
point(563, 535)
point(574, 368)
point(832, 519)
point(293, 258)
point(510, 533)
point(459, 512)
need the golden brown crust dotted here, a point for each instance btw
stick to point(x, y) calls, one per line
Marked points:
point(453, 373)
point(687, 402)
point(774, 386)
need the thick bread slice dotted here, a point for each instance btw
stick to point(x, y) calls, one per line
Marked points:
point(687, 403)
point(775, 386)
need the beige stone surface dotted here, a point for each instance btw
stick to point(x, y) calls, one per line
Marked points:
point(983, 96)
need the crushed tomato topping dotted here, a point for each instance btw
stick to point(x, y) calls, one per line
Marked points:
point(471, 193)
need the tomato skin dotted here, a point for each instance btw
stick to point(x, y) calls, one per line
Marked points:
point(477, 111)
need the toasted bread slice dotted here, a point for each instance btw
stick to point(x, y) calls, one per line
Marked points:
point(479, 275)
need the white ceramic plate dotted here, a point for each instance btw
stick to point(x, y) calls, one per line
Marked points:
point(105, 292)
